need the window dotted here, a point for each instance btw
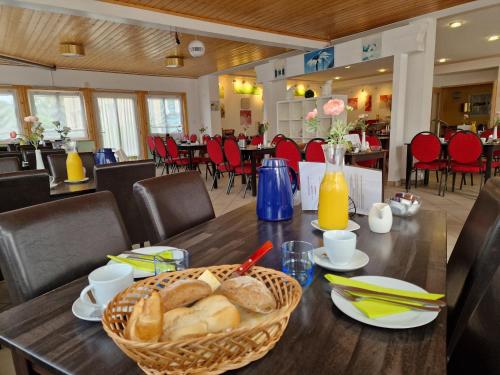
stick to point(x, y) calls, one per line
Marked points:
point(9, 114)
point(118, 122)
point(64, 106)
point(165, 114)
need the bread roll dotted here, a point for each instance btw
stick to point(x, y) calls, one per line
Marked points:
point(250, 293)
point(210, 315)
point(183, 293)
point(145, 322)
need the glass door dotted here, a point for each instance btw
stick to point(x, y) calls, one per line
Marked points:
point(118, 122)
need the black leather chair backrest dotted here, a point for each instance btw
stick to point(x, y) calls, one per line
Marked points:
point(10, 154)
point(475, 341)
point(29, 156)
point(48, 245)
point(173, 203)
point(119, 178)
point(9, 165)
point(23, 189)
point(474, 241)
point(56, 163)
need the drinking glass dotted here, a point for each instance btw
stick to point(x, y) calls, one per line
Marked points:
point(177, 261)
point(297, 261)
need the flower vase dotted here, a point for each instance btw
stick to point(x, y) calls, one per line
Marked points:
point(495, 132)
point(39, 159)
point(363, 141)
point(333, 202)
point(264, 138)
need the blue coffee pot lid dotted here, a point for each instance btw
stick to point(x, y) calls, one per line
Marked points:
point(274, 163)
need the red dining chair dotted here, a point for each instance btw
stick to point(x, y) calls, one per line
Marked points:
point(289, 150)
point(426, 148)
point(237, 167)
point(257, 140)
point(242, 136)
point(448, 134)
point(193, 138)
point(486, 134)
point(314, 150)
point(205, 138)
point(374, 142)
point(216, 156)
point(177, 160)
point(230, 136)
point(465, 150)
point(277, 139)
point(163, 156)
point(218, 138)
point(151, 146)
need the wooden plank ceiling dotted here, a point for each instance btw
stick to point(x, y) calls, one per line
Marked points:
point(114, 47)
point(318, 19)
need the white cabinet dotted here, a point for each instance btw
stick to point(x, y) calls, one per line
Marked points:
point(291, 115)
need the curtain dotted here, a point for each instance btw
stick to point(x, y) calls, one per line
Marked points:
point(8, 115)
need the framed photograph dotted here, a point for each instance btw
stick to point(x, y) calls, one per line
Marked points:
point(372, 47)
point(321, 59)
point(353, 102)
point(245, 117)
point(480, 104)
point(368, 103)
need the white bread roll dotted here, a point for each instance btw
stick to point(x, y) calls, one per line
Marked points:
point(183, 293)
point(250, 293)
point(145, 322)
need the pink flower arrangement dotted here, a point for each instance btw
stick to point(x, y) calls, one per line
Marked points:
point(13, 134)
point(312, 115)
point(334, 107)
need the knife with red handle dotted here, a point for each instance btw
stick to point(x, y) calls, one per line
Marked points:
point(254, 258)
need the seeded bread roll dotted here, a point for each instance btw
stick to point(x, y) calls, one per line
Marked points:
point(250, 293)
point(183, 293)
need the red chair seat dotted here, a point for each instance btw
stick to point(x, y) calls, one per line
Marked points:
point(467, 168)
point(224, 168)
point(431, 166)
point(246, 169)
point(372, 163)
point(181, 161)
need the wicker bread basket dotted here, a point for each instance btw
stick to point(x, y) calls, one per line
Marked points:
point(213, 353)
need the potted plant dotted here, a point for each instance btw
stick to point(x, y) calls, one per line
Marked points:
point(262, 130)
point(62, 130)
point(34, 137)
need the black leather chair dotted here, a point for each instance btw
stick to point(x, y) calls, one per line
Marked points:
point(474, 239)
point(51, 244)
point(10, 154)
point(119, 178)
point(56, 163)
point(30, 157)
point(9, 165)
point(23, 189)
point(173, 203)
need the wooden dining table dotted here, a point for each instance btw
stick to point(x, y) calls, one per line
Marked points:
point(319, 338)
point(253, 152)
point(191, 148)
point(65, 190)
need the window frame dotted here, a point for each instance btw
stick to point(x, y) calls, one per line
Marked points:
point(177, 95)
point(32, 91)
point(17, 112)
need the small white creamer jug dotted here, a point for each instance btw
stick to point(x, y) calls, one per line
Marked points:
point(380, 218)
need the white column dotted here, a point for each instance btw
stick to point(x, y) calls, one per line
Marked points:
point(495, 100)
point(208, 90)
point(412, 97)
point(273, 92)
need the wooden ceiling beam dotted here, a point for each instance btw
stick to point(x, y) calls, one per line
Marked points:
point(165, 21)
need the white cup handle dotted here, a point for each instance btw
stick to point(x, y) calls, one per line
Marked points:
point(85, 300)
point(84, 172)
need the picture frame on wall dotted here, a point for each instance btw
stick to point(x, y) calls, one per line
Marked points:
point(245, 118)
point(321, 59)
point(480, 104)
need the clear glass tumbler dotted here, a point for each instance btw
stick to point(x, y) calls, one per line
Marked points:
point(177, 261)
point(297, 261)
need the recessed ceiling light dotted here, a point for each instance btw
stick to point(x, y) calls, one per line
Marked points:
point(382, 70)
point(71, 50)
point(492, 38)
point(347, 67)
point(455, 24)
point(336, 77)
point(444, 59)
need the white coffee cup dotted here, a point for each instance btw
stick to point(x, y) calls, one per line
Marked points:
point(340, 245)
point(106, 282)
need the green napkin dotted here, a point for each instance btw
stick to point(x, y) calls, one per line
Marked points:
point(375, 308)
point(144, 265)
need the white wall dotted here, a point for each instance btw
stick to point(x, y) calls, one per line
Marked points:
point(17, 75)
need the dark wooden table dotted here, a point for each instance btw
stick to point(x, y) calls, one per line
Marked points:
point(488, 151)
point(191, 148)
point(352, 158)
point(253, 152)
point(65, 190)
point(319, 338)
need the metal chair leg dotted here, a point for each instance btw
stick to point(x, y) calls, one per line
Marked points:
point(437, 176)
point(471, 180)
point(462, 180)
point(453, 182)
point(416, 177)
point(247, 186)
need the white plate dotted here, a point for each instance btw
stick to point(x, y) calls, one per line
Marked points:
point(408, 319)
point(359, 260)
point(84, 312)
point(77, 181)
point(351, 226)
point(139, 274)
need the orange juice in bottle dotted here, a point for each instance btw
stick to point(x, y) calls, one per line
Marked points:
point(333, 192)
point(74, 166)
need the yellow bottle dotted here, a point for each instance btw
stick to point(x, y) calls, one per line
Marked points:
point(74, 166)
point(333, 202)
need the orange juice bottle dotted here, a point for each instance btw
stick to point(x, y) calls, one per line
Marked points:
point(333, 192)
point(74, 166)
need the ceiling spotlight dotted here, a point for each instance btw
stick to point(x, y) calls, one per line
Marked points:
point(455, 24)
point(443, 60)
point(336, 77)
point(383, 70)
point(175, 60)
point(492, 38)
point(347, 67)
point(71, 50)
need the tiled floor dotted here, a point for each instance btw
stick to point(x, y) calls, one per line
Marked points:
point(456, 205)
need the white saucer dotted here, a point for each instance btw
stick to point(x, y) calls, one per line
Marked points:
point(77, 181)
point(408, 319)
point(359, 260)
point(351, 226)
point(85, 312)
